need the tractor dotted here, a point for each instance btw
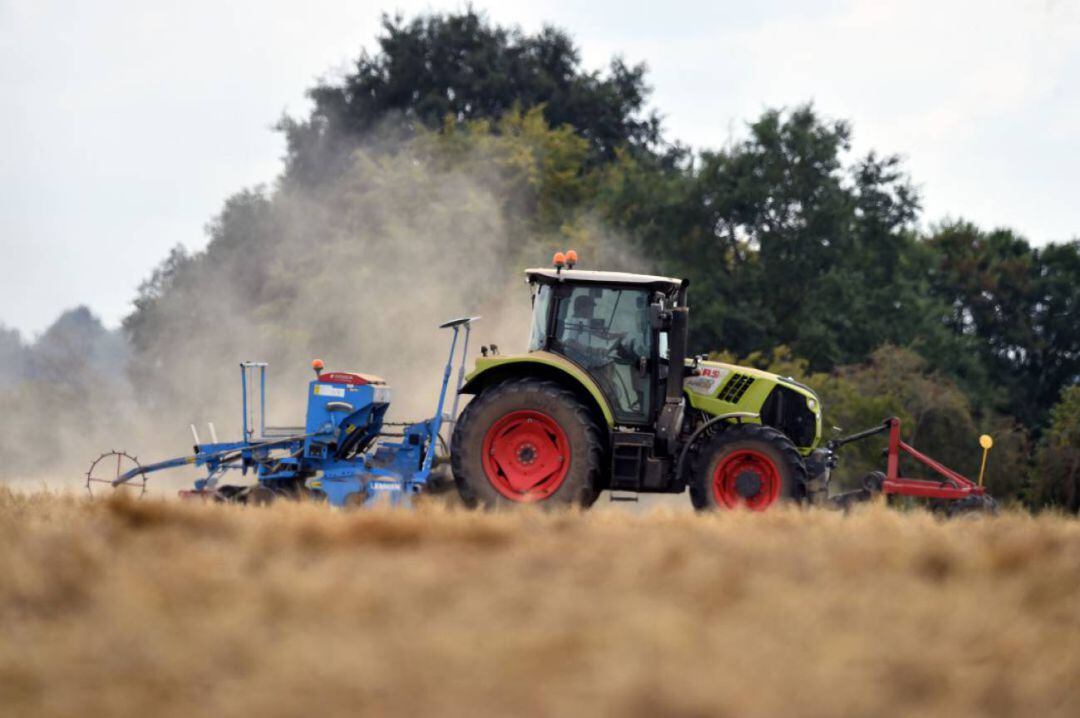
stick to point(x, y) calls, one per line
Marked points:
point(605, 398)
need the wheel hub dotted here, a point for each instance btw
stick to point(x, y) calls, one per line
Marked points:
point(746, 478)
point(747, 484)
point(526, 456)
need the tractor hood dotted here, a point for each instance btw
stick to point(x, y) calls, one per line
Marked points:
point(795, 409)
point(713, 373)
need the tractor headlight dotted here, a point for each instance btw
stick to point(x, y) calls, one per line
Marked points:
point(811, 403)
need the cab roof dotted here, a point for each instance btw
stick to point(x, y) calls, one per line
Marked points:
point(585, 276)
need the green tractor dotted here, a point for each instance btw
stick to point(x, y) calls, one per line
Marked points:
point(606, 399)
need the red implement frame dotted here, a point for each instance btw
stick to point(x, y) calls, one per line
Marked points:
point(951, 486)
point(195, 495)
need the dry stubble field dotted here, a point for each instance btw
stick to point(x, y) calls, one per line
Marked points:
point(154, 608)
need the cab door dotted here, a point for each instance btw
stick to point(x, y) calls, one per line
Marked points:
point(606, 331)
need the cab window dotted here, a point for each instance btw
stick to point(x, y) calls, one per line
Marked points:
point(541, 307)
point(606, 331)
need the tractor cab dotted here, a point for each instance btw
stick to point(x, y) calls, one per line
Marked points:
point(611, 325)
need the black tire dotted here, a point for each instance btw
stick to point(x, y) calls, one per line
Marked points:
point(971, 505)
point(231, 494)
point(496, 403)
point(260, 495)
point(767, 446)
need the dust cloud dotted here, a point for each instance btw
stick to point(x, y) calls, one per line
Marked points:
point(358, 272)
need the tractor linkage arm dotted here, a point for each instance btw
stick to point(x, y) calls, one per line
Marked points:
point(835, 444)
point(231, 453)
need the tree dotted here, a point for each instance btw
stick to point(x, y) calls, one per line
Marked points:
point(77, 350)
point(539, 172)
point(1057, 475)
point(463, 67)
point(73, 386)
point(1020, 304)
point(786, 241)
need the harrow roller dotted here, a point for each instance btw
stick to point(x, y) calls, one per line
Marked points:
point(109, 470)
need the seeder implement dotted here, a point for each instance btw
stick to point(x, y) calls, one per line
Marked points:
point(342, 454)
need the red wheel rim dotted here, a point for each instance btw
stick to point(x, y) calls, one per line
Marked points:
point(746, 478)
point(526, 456)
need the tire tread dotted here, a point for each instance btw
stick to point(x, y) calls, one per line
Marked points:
point(706, 447)
point(462, 448)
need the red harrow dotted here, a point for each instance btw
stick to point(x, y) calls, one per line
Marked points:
point(951, 493)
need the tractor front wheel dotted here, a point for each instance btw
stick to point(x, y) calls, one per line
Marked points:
point(746, 466)
point(526, 441)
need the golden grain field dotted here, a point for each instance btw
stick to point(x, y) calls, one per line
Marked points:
point(153, 608)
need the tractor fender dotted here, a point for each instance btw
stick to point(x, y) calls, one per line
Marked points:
point(545, 365)
point(737, 416)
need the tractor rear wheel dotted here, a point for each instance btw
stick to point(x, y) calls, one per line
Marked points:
point(526, 441)
point(749, 466)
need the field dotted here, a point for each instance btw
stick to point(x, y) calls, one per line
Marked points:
point(154, 608)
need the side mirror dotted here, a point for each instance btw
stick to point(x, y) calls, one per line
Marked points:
point(659, 318)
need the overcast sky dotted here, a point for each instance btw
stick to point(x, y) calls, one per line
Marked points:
point(125, 124)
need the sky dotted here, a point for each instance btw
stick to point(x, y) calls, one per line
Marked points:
point(126, 124)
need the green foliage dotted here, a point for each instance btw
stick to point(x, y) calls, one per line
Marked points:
point(539, 172)
point(1057, 476)
point(786, 242)
point(936, 416)
point(463, 67)
point(548, 190)
point(1020, 304)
